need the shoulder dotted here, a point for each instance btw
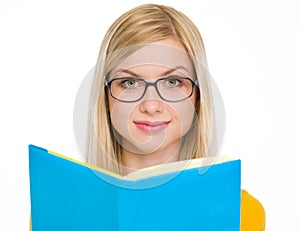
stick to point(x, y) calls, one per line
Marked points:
point(252, 213)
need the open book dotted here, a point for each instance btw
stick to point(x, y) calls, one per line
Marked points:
point(199, 194)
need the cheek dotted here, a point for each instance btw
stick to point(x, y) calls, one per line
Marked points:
point(120, 115)
point(185, 112)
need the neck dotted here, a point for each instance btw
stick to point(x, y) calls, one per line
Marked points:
point(133, 161)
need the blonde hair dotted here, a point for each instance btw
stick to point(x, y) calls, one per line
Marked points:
point(138, 27)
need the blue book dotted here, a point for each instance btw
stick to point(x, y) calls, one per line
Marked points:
point(68, 195)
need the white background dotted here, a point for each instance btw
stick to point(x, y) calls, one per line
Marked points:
point(253, 52)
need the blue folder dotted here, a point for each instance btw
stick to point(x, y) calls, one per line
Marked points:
point(71, 196)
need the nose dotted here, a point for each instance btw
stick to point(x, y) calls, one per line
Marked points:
point(151, 102)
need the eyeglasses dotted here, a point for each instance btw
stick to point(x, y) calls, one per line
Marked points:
point(170, 89)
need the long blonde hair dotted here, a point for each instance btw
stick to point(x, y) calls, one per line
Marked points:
point(140, 26)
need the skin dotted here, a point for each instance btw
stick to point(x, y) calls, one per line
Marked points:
point(142, 146)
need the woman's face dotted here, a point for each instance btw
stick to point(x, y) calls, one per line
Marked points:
point(152, 124)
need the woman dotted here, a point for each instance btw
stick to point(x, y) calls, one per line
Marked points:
point(151, 100)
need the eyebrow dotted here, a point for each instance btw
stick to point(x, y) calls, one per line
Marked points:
point(164, 73)
point(175, 69)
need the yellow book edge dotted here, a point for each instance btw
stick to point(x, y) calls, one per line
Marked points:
point(157, 169)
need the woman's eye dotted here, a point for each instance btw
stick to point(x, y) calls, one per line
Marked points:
point(173, 82)
point(129, 83)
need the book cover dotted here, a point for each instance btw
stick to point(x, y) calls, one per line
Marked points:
point(70, 195)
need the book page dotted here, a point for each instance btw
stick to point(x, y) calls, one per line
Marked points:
point(175, 167)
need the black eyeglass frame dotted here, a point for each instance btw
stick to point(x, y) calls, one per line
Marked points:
point(147, 84)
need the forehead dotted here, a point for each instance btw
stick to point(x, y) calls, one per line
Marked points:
point(159, 55)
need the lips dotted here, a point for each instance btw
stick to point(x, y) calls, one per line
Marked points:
point(151, 127)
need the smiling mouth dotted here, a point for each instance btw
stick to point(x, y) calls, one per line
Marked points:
point(151, 127)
